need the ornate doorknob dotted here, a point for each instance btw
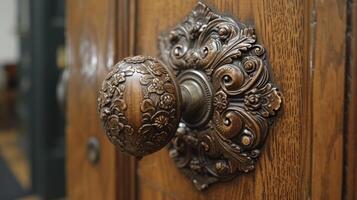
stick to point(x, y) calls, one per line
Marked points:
point(141, 103)
point(210, 98)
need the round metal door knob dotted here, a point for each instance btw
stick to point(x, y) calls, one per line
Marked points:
point(140, 104)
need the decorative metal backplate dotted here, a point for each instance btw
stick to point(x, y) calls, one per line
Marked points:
point(244, 99)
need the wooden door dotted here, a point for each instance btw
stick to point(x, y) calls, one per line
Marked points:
point(309, 151)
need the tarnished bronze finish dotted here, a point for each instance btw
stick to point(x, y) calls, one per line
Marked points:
point(214, 75)
point(197, 93)
point(244, 99)
point(139, 105)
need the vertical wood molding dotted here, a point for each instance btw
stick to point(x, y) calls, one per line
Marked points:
point(328, 98)
point(125, 32)
point(350, 183)
point(310, 39)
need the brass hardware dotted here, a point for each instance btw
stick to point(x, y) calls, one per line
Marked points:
point(214, 75)
point(140, 105)
point(197, 95)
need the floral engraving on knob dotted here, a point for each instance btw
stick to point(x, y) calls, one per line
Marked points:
point(159, 106)
point(135, 59)
point(166, 101)
point(244, 98)
point(160, 119)
point(156, 86)
point(112, 108)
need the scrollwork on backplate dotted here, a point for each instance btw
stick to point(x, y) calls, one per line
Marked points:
point(244, 99)
point(159, 105)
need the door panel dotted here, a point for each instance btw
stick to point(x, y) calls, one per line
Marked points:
point(328, 79)
point(289, 33)
point(303, 157)
point(90, 42)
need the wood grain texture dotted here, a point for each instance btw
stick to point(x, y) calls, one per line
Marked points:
point(284, 168)
point(98, 37)
point(91, 48)
point(328, 58)
point(351, 107)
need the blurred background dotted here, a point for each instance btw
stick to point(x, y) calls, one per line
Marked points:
point(32, 93)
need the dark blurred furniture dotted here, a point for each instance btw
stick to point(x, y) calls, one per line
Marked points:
point(8, 96)
point(41, 30)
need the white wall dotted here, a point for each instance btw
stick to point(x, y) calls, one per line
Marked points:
point(8, 36)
